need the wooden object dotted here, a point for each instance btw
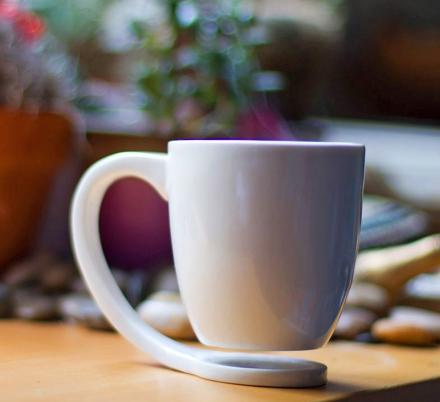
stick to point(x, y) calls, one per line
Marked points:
point(32, 148)
point(57, 362)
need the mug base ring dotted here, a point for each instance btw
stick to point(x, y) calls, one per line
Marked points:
point(265, 370)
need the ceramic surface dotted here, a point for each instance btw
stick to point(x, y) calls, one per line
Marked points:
point(264, 237)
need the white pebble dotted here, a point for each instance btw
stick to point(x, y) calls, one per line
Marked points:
point(165, 312)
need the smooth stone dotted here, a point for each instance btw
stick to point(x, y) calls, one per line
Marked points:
point(423, 318)
point(353, 321)
point(369, 296)
point(166, 280)
point(78, 286)
point(135, 286)
point(425, 285)
point(5, 301)
point(35, 307)
point(82, 309)
point(96, 320)
point(165, 312)
point(27, 272)
point(366, 337)
point(166, 296)
point(58, 276)
point(424, 292)
point(421, 303)
point(403, 333)
point(71, 306)
point(393, 267)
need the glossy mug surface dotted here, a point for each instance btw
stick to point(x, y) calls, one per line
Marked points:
point(264, 238)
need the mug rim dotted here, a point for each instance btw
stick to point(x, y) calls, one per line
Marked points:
point(271, 143)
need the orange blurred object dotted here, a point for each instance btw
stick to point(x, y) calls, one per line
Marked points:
point(33, 147)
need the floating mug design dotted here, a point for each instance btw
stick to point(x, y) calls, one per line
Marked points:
point(264, 238)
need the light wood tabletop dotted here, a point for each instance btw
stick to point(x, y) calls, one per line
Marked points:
point(59, 362)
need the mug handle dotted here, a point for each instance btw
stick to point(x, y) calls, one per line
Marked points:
point(238, 368)
point(84, 223)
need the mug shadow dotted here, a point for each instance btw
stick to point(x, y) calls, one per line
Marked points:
point(342, 387)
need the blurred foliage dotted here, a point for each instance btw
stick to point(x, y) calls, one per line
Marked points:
point(196, 60)
point(72, 21)
point(335, 4)
point(200, 68)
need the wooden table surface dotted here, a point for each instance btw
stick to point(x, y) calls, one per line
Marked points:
point(58, 362)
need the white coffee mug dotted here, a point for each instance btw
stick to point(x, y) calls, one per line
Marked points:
point(264, 238)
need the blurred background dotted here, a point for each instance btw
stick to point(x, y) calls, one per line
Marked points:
point(81, 79)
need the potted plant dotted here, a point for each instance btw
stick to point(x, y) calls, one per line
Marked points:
point(34, 140)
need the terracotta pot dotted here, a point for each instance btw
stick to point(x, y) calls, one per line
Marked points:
point(32, 149)
point(134, 223)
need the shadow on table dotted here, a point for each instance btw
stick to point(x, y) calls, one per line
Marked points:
point(341, 387)
point(426, 391)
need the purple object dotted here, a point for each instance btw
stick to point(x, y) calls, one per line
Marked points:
point(134, 226)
